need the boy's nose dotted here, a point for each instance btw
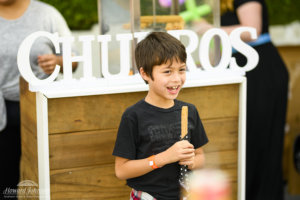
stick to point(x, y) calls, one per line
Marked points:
point(176, 77)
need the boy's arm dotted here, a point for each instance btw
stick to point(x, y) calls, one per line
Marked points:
point(195, 162)
point(126, 169)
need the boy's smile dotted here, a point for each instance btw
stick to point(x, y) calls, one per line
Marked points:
point(165, 84)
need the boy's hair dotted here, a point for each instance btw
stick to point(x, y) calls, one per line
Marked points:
point(156, 49)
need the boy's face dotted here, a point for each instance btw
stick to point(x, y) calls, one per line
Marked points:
point(167, 81)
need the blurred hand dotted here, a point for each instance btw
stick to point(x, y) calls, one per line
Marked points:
point(47, 62)
point(201, 26)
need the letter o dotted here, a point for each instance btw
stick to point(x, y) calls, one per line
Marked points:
point(204, 49)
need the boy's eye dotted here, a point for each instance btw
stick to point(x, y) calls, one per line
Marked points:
point(182, 69)
point(167, 71)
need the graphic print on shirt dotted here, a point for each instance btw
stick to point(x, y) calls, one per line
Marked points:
point(164, 136)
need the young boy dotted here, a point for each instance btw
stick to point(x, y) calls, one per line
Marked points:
point(148, 148)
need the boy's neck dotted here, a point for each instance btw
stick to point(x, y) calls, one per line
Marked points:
point(167, 103)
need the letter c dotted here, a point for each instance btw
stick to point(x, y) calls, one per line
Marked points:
point(24, 62)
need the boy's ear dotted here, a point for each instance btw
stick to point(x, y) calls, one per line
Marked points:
point(144, 75)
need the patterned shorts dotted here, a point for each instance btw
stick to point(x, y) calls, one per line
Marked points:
point(140, 195)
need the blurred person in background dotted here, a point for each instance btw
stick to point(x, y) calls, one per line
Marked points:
point(18, 19)
point(267, 90)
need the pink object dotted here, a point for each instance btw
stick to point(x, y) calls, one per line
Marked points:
point(209, 184)
point(168, 3)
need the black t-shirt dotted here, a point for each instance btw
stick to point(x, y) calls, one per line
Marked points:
point(231, 18)
point(147, 130)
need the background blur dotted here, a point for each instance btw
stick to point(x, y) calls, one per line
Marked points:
point(284, 18)
point(82, 15)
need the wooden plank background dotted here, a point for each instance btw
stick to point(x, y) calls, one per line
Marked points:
point(29, 158)
point(82, 132)
point(290, 55)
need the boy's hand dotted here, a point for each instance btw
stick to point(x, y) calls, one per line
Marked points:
point(180, 151)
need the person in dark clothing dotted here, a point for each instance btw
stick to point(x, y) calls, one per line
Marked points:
point(267, 90)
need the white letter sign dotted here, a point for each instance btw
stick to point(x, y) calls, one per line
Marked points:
point(227, 62)
point(24, 62)
point(244, 48)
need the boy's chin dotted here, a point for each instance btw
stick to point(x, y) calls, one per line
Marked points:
point(172, 97)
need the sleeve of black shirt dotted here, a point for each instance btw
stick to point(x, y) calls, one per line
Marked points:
point(199, 137)
point(125, 145)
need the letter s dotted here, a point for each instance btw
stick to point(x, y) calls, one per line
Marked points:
point(245, 49)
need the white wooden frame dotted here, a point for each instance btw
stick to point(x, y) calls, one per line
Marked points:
point(42, 125)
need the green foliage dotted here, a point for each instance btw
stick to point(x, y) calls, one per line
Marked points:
point(283, 11)
point(82, 14)
point(79, 14)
